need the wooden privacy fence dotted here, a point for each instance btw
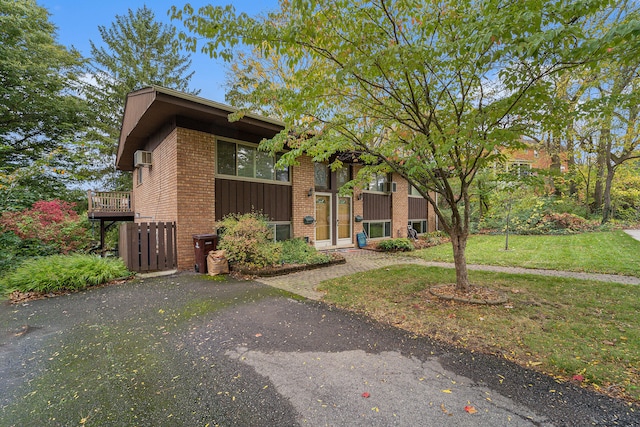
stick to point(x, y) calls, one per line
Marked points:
point(148, 246)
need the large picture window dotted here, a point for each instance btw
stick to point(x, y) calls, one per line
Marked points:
point(377, 229)
point(242, 160)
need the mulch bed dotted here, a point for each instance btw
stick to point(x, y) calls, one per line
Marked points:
point(476, 294)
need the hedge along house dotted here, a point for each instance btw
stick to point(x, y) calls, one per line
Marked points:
point(192, 166)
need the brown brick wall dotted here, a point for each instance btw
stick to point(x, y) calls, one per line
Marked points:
point(399, 207)
point(195, 176)
point(431, 216)
point(302, 180)
point(358, 206)
point(155, 199)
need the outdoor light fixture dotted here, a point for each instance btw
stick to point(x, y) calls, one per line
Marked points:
point(360, 196)
point(310, 193)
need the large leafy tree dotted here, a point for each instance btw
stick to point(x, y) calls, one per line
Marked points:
point(135, 51)
point(40, 112)
point(429, 90)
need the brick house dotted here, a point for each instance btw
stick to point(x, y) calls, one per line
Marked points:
point(192, 166)
point(534, 156)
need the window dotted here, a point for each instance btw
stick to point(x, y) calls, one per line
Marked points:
point(343, 176)
point(246, 161)
point(413, 191)
point(139, 175)
point(378, 182)
point(281, 231)
point(419, 225)
point(520, 169)
point(377, 229)
point(321, 175)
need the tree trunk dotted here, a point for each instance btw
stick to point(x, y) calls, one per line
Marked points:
point(601, 166)
point(606, 206)
point(459, 242)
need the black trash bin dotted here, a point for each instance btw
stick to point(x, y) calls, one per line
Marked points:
point(202, 245)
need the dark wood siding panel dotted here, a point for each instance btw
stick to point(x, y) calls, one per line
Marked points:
point(376, 206)
point(222, 198)
point(234, 196)
point(417, 208)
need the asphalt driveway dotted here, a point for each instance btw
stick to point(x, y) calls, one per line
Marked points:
point(187, 350)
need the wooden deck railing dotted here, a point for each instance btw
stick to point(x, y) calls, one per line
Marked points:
point(109, 201)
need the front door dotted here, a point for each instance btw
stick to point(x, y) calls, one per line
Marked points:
point(323, 220)
point(344, 221)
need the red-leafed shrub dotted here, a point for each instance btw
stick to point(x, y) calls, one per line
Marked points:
point(53, 224)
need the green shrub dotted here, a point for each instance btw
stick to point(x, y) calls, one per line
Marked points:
point(538, 215)
point(396, 245)
point(246, 238)
point(62, 272)
point(297, 251)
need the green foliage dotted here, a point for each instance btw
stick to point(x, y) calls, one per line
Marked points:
point(41, 112)
point(47, 228)
point(135, 51)
point(62, 272)
point(625, 194)
point(530, 213)
point(297, 251)
point(248, 240)
point(401, 244)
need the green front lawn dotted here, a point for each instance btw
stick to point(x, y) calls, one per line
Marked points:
point(606, 252)
point(564, 327)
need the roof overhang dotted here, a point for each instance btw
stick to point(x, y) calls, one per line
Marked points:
point(149, 109)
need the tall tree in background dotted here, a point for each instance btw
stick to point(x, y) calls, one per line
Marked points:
point(136, 51)
point(40, 112)
point(427, 90)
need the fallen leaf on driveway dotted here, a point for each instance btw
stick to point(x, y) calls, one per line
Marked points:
point(444, 410)
point(470, 409)
point(365, 394)
point(446, 391)
point(258, 335)
point(578, 377)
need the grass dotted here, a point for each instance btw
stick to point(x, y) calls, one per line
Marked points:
point(606, 252)
point(563, 327)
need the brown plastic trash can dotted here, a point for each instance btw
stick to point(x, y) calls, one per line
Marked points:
point(202, 245)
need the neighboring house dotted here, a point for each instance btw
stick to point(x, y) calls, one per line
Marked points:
point(523, 161)
point(192, 166)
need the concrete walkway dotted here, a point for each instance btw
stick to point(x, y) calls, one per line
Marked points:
point(633, 233)
point(304, 282)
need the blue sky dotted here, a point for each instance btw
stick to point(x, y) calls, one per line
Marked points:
point(78, 21)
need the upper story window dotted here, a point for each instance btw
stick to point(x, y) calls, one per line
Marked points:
point(246, 161)
point(343, 175)
point(379, 182)
point(413, 191)
point(321, 175)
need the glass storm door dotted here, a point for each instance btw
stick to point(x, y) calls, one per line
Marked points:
point(323, 220)
point(344, 220)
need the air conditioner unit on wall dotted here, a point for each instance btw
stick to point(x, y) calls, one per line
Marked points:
point(142, 158)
